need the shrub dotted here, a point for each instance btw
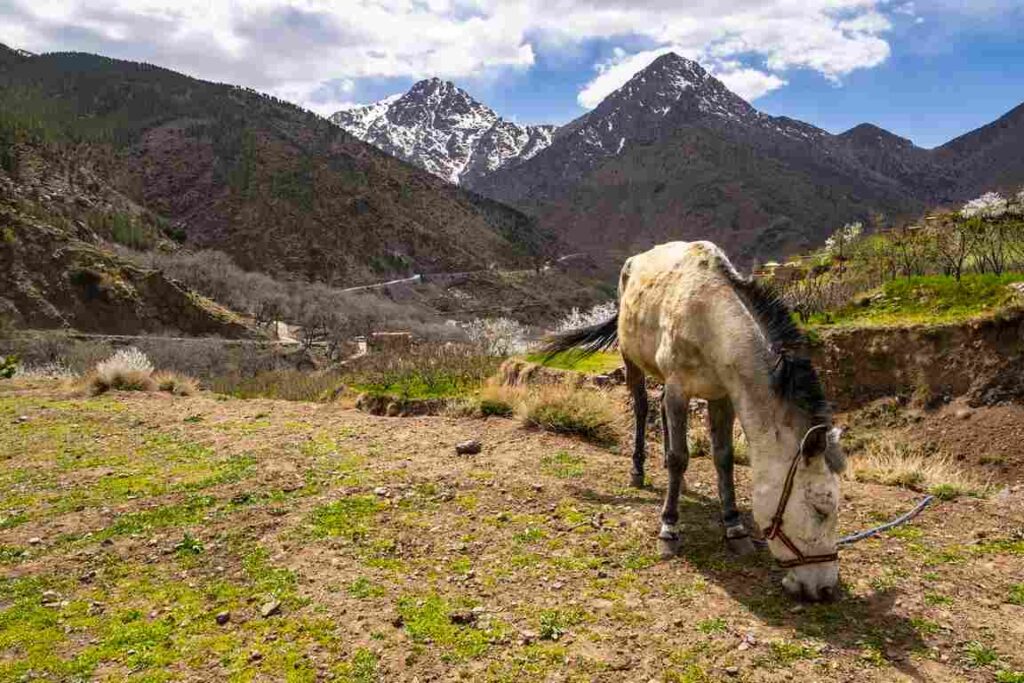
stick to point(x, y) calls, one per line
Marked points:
point(490, 407)
point(988, 205)
point(498, 336)
point(286, 385)
point(894, 463)
point(57, 370)
point(8, 366)
point(176, 384)
point(582, 412)
point(564, 409)
point(127, 370)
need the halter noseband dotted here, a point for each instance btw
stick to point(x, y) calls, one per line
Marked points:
point(774, 530)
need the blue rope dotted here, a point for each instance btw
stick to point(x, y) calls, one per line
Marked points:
point(902, 519)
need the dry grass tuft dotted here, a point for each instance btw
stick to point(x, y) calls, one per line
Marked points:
point(562, 408)
point(895, 463)
point(176, 384)
point(127, 370)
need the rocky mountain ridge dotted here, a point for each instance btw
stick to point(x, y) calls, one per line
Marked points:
point(439, 127)
point(674, 154)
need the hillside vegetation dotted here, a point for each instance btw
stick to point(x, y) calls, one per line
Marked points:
point(948, 267)
point(280, 189)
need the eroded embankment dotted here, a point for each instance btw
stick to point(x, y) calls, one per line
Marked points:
point(981, 360)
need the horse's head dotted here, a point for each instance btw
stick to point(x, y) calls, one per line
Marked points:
point(796, 505)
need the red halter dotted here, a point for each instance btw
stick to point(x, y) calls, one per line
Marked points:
point(774, 530)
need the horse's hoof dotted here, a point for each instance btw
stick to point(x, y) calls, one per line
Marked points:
point(637, 481)
point(669, 547)
point(740, 546)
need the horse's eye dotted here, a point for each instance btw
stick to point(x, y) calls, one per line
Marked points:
point(822, 510)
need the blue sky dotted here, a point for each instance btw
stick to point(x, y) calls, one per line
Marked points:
point(926, 70)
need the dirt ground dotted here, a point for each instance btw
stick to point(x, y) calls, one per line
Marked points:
point(145, 537)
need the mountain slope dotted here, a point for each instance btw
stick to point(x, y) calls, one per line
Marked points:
point(673, 154)
point(442, 129)
point(281, 189)
point(991, 157)
point(56, 271)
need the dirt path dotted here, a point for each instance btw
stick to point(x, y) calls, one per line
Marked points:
point(336, 545)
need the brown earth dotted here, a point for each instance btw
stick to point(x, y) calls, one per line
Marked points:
point(981, 360)
point(378, 543)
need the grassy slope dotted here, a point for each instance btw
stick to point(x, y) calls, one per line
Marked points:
point(931, 299)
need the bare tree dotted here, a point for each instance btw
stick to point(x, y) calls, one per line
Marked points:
point(955, 241)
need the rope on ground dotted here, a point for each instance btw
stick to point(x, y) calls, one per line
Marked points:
point(861, 535)
point(902, 519)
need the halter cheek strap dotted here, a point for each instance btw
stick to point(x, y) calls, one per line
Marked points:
point(774, 530)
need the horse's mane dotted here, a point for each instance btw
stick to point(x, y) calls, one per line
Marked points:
point(794, 378)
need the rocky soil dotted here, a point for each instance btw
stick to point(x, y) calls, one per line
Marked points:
point(202, 538)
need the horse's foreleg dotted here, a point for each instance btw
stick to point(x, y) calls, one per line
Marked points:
point(676, 407)
point(720, 422)
point(638, 389)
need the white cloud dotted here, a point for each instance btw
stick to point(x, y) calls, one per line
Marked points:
point(294, 47)
point(750, 84)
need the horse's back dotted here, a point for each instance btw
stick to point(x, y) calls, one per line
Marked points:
point(673, 300)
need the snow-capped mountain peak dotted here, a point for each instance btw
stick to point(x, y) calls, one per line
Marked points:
point(440, 127)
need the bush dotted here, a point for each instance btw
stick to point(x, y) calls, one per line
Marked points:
point(286, 385)
point(127, 370)
point(894, 463)
point(56, 370)
point(8, 366)
point(560, 408)
point(176, 384)
point(500, 337)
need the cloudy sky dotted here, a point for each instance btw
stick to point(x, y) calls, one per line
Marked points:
point(926, 69)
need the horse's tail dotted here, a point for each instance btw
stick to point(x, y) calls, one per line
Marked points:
point(587, 340)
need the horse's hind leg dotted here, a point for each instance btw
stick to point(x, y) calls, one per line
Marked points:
point(676, 407)
point(638, 390)
point(720, 422)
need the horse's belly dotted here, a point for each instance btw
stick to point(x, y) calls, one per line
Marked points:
point(692, 373)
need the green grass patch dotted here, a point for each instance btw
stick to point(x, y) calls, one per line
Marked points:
point(349, 518)
point(786, 652)
point(979, 654)
point(363, 588)
point(532, 663)
point(428, 620)
point(563, 465)
point(181, 514)
point(600, 363)
point(711, 626)
point(360, 668)
point(925, 299)
point(554, 623)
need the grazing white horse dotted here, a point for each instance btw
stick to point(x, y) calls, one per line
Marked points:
point(688, 319)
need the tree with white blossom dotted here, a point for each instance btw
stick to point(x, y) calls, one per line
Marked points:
point(577, 319)
point(498, 336)
point(989, 205)
point(839, 243)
